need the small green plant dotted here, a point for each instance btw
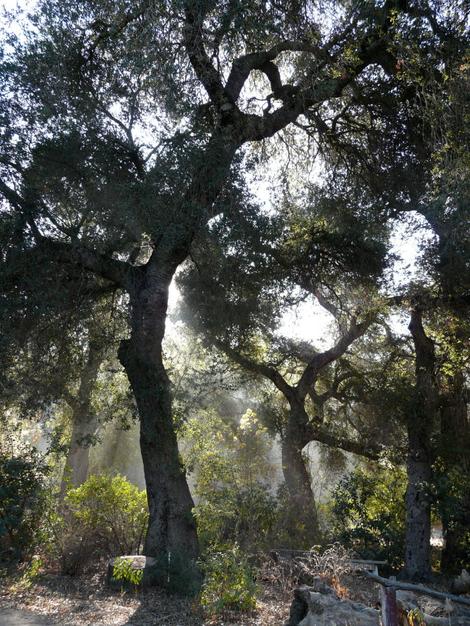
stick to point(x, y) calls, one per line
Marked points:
point(123, 570)
point(415, 618)
point(229, 583)
point(31, 572)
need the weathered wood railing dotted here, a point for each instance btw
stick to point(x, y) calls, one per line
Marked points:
point(389, 587)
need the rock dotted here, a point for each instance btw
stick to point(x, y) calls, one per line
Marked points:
point(313, 608)
point(132, 572)
point(461, 584)
point(434, 612)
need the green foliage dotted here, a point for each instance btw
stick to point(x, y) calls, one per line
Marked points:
point(111, 510)
point(453, 507)
point(32, 571)
point(231, 467)
point(123, 570)
point(369, 513)
point(237, 514)
point(105, 516)
point(229, 583)
point(22, 483)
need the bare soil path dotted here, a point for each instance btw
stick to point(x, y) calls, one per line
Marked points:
point(13, 617)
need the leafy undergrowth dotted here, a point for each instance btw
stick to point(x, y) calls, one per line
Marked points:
point(86, 601)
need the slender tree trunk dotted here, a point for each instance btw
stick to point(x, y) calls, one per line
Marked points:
point(84, 421)
point(297, 477)
point(171, 532)
point(77, 463)
point(419, 463)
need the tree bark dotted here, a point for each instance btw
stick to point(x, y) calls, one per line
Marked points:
point(171, 532)
point(297, 477)
point(419, 462)
point(418, 509)
point(84, 421)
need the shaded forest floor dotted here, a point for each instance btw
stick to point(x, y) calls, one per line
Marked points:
point(86, 601)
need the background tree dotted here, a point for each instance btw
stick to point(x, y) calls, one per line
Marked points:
point(239, 314)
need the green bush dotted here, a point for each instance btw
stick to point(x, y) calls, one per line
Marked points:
point(106, 516)
point(123, 570)
point(235, 514)
point(22, 500)
point(230, 462)
point(229, 582)
point(452, 497)
point(368, 508)
point(112, 510)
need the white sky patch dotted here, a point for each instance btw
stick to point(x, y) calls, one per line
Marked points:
point(407, 241)
point(308, 322)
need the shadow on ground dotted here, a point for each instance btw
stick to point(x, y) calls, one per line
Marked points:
point(13, 617)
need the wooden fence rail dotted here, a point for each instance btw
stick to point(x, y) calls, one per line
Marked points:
point(388, 598)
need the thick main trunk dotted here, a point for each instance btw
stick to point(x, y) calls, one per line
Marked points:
point(298, 480)
point(419, 463)
point(171, 534)
point(171, 529)
point(418, 510)
point(84, 422)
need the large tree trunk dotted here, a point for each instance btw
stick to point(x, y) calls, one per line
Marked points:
point(84, 421)
point(419, 463)
point(297, 478)
point(455, 452)
point(171, 534)
point(418, 507)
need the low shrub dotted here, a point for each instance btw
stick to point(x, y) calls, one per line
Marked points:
point(111, 509)
point(22, 501)
point(229, 582)
point(123, 570)
point(231, 514)
point(451, 485)
point(105, 516)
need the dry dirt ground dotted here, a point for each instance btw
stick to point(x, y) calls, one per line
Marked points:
point(86, 601)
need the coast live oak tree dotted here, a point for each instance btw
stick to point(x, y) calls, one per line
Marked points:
point(282, 260)
point(120, 124)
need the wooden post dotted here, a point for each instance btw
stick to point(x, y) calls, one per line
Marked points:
point(388, 601)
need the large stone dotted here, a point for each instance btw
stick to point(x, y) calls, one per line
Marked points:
point(138, 571)
point(313, 608)
point(461, 584)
